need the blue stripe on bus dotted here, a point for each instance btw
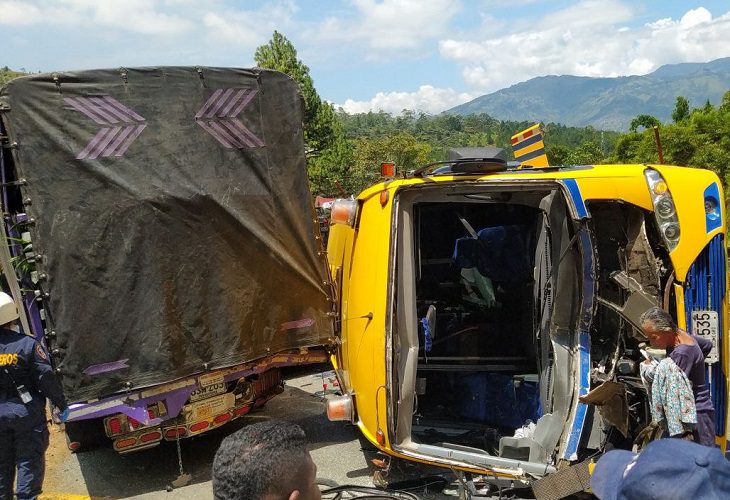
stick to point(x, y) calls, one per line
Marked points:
point(705, 290)
point(580, 206)
point(576, 431)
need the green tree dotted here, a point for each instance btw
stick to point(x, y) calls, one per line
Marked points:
point(279, 54)
point(681, 109)
point(557, 155)
point(588, 153)
point(403, 148)
point(646, 121)
point(725, 103)
point(331, 170)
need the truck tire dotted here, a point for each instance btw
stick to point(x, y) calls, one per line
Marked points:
point(85, 435)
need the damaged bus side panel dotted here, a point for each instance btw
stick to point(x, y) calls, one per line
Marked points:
point(511, 304)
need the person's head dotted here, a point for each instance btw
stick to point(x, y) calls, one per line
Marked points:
point(667, 468)
point(659, 327)
point(8, 311)
point(265, 461)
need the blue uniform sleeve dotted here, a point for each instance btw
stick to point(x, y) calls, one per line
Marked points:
point(45, 378)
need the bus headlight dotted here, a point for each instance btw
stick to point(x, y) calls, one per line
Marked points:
point(670, 230)
point(665, 212)
point(665, 207)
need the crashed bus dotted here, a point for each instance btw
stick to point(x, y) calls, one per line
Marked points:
point(162, 237)
point(489, 311)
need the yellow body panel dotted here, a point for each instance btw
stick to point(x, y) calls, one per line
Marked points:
point(684, 184)
point(364, 309)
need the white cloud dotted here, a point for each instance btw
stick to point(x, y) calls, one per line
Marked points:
point(388, 25)
point(19, 13)
point(427, 99)
point(140, 16)
point(590, 38)
point(250, 28)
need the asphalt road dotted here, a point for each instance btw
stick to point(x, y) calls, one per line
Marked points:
point(337, 448)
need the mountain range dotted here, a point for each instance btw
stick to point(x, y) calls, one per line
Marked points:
point(605, 103)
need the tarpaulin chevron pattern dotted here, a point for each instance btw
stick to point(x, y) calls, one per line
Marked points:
point(121, 125)
point(218, 117)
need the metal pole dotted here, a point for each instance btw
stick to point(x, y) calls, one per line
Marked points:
point(658, 145)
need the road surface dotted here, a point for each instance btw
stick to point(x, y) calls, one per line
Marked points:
point(337, 448)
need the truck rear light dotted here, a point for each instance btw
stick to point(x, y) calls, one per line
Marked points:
point(340, 408)
point(74, 445)
point(225, 417)
point(120, 444)
point(239, 412)
point(114, 425)
point(150, 436)
point(199, 426)
point(133, 424)
point(175, 432)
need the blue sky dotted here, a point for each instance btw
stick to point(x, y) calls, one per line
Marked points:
point(427, 55)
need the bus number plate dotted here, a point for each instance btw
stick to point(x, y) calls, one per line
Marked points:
point(705, 324)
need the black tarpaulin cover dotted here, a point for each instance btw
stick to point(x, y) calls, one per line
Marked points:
point(174, 220)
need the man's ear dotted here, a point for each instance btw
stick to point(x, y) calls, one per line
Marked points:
point(294, 495)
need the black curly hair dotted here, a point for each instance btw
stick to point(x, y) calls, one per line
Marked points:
point(260, 459)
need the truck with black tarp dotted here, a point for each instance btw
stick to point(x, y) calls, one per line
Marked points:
point(161, 234)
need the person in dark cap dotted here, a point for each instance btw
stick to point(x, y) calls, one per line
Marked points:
point(265, 461)
point(666, 469)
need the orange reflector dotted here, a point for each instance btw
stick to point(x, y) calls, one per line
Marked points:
point(125, 443)
point(387, 169)
point(241, 411)
point(225, 417)
point(199, 426)
point(380, 437)
point(660, 187)
point(343, 212)
point(151, 436)
point(384, 197)
point(339, 408)
point(174, 433)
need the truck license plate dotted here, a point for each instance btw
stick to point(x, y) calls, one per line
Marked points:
point(705, 324)
point(207, 391)
point(203, 410)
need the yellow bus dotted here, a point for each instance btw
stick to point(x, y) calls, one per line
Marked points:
point(481, 303)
